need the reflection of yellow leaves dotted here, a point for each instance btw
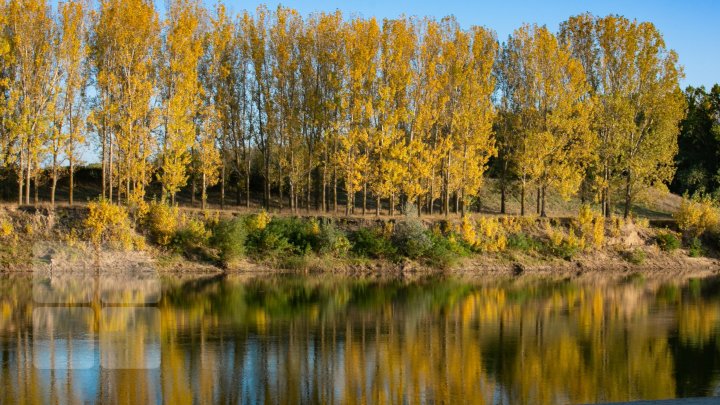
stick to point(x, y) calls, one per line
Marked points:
point(697, 322)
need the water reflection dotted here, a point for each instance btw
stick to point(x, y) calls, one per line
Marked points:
point(328, 340)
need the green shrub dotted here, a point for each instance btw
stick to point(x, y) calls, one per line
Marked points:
point(636, 256)
point(695, 248)
point(667, 241)
point(444, 253)
point(191, 234)
point(411, 238)
point(522, 242)
point(269, 242)
point(332, 240)
point(370, 242)
point(295, 231)
point(229, 237)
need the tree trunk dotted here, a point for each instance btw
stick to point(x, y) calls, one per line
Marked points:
point(377, 206)
point(37, 185)
point(53, 187)
point(104, 162)
point(522, 198)
point(21, 177)
point(27, 180)
point(309, 190)
point(537, 202)
point(222, 184)
point(502, 199)
point(193, 191)
point(247, 184)
point(335, 191)
point(204, 192)
point(324, 188)
point(628, 195)
point(72, 181)
point(542, 204)
point(110, 172)
point(364, 198)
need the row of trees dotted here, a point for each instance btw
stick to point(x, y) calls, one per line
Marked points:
point(407, 109)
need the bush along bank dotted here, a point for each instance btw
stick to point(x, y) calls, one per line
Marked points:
point(295, 243)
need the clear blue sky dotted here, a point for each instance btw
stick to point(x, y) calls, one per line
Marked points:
point(691, 27)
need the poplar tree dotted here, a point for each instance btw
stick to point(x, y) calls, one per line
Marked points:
point(181, 52)
point(635, 80)
point(32, 86)
point(547, 90)
point(389, 148)
point(72, 58)
point(125, 42)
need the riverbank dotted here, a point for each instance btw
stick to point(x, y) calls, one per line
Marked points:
point(173, 241)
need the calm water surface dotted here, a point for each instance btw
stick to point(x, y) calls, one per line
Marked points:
point(296, 340)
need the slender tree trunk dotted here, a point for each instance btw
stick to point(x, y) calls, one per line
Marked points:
point(280, 191)
point(377, 206)
point(37, 185)
point(335, 190)
point(247, 183)
point(503, 210)
point(503, 188)
point(28, 179)
point(110, 172)
point(537, 202)
point(522, 198)
point(364, 198)
point(347, 204)
point(104, 161)
point(204, 192)
point(324, 187)
point(628, 195)
point(72, 181)
point(308, 194)
point(462, 202)
point(54, 181)
point(21, 176)
point(391, 208)
point(542, 204)
point(222, 184)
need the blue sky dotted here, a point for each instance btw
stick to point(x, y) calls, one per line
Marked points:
point(690, 27)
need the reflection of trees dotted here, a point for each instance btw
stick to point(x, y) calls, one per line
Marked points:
point(333, 340)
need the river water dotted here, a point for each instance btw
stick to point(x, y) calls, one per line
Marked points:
point(291, 340)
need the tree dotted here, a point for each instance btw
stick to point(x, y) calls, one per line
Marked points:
point(180, 91)
point(545, 86)
point(472, 119)
point(389, 151)
point(634, 78)
point(698, 158)
point(125, 42)
point(262, 116)
point(72, 57)
point(31, 86)
point(209, 159)
point(284, 57)
point(362, 42)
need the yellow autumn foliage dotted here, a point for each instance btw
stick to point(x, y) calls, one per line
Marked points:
point(491, 235)
point(590, 227)
point(109, 224)
point(162, 222)
point(695, 217)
